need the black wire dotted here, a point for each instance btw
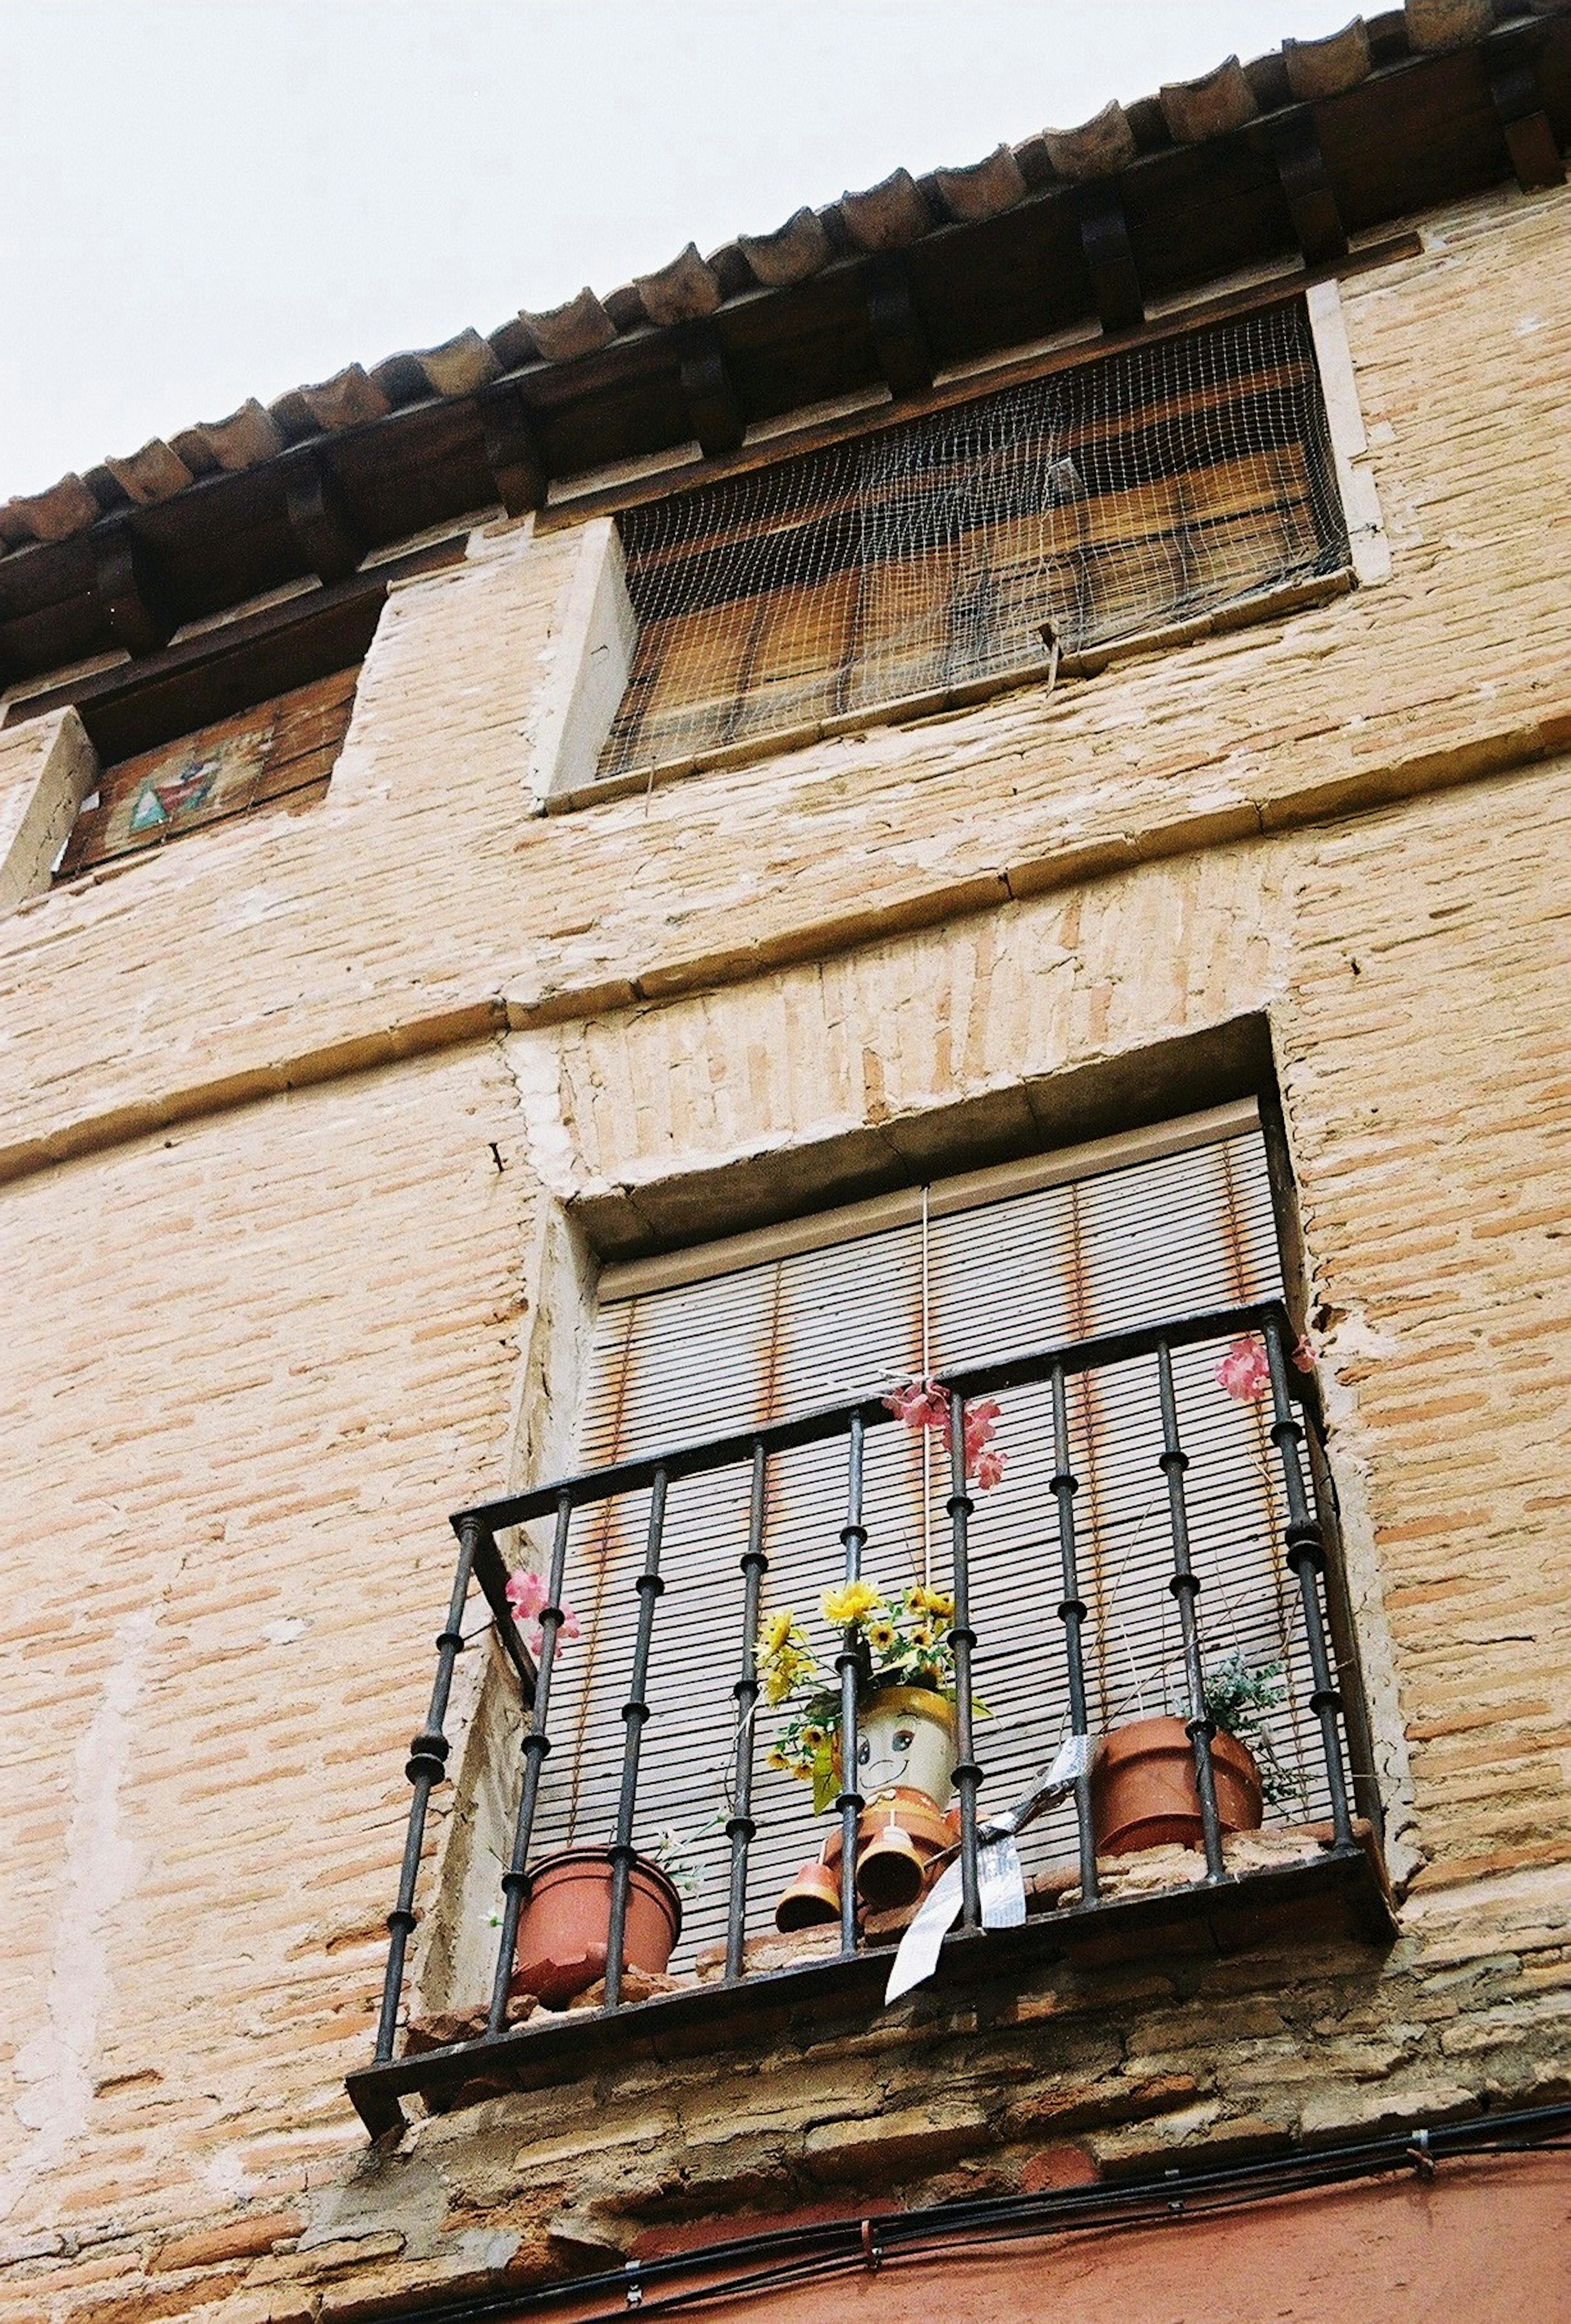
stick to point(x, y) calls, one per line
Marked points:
point(785, 2256)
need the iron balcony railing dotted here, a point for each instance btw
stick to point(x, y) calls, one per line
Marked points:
point(661, 1476)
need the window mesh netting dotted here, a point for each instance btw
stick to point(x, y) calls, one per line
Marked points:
point(1142, 489)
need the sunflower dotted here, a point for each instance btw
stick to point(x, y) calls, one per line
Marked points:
point(775, 1633)
point(924, 1636)
point(850, 1605)
point(811, 1738)
point(881, 1636)
point(937, 1602)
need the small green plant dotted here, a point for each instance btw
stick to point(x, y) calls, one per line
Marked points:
point(1238, 1700)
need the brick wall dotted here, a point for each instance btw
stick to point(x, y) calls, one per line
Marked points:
point(289, 1114)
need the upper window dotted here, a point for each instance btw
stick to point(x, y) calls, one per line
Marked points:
point(279, 753)
point(1092, 505)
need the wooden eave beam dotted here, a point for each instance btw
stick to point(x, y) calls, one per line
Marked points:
point(1421, 130)
point(1293, 143)
point(708, 390)
point(899, 346)
point(512, 448)
point(131, 597)
point(1511, 58)
point(330, 541)
point(1110, 261)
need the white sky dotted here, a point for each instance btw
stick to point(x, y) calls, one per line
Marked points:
point(205, 199)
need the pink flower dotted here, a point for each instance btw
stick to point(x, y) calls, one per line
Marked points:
point(990, 1468)
point(1303, 1356)
point(924, 1404)
point(526, 1595)
point(1243, 1371)
point(920, 1403)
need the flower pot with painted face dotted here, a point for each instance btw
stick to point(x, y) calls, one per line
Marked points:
point(564, 1930)
point(906, 1750)
point(1144, 1794)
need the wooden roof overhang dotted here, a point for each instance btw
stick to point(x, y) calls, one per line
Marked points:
point(1299, 182)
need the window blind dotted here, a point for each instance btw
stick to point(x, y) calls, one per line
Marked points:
point(1164, 1237)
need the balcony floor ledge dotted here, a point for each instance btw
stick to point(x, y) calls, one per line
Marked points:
point(1335, 1894)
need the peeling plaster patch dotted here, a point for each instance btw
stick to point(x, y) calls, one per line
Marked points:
point(228, 2176)
point(283, 1633)
point(1356, 1339)
point(536, 1071)
point(53, 2067)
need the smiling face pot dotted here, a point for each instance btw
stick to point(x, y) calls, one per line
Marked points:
point(907, 1742)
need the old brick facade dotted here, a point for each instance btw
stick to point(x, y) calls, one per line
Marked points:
point(296, 1116)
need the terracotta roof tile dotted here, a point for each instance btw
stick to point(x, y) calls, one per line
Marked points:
point(1209, 107)
point(790, 253)
point(1098, 148)
point(887, 216)
point(985, 188)
point(156, 473)
point(899, 211)
point(580, 328)
point(681, 292)
point(1326, 67)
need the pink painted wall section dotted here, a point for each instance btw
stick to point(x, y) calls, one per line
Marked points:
point(1483, 2242)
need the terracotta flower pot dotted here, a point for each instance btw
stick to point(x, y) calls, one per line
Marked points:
point(564, 1930)
point(1143, 1792)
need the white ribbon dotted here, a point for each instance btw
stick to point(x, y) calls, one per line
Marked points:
point(1000, 1877)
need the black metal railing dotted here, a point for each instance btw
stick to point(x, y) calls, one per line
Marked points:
point(661, 1475)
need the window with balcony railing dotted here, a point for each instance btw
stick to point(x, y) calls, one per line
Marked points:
point(1052, 1416)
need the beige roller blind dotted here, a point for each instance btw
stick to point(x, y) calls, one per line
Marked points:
point(1163, 1237)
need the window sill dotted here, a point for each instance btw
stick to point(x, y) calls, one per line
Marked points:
point(1329, 1895)
point(1243, 613)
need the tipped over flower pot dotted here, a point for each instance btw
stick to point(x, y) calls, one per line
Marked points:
point(564, 1930)
point(1144, 1794)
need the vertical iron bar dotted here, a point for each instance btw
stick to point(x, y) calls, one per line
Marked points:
point(1072, 1614)
point(635, 1716)
point(425, 1769)
point(1185, 1587)
point(961, 1639)
point(848, 1663)
point(741, 1828)
point(1306, 1556)
point(535, 1745)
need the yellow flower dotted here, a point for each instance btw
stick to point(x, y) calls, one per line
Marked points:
point(850, 1604)
point(778, 1684)
point(810, 1737)
point(934, 1602)
point(777, 1758)
point(922, 1635)
point(881, 1637)
point(775, 1633)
